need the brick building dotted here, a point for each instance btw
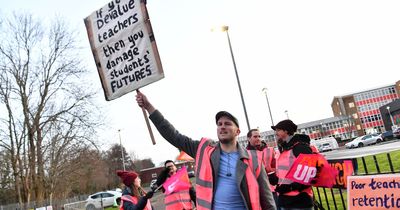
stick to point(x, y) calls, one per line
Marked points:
point(369, 108)
point(355, 114)
point(151, 173)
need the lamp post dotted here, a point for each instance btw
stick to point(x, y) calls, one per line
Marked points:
point(264, 90)
point(225, 29)
point(287, 114)
point(120, 146)
point(390, 115)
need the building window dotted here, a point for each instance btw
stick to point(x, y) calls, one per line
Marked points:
point(351, 105)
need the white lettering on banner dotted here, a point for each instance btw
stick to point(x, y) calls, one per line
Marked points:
point(171, 187)
point(304, 173)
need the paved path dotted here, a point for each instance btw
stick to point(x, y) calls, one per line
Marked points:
point(158, 201)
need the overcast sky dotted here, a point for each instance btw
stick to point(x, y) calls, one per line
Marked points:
point(304, 52)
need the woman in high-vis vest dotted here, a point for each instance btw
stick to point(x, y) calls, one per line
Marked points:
point(292, 195)
point(227, 175)
point(134, 197)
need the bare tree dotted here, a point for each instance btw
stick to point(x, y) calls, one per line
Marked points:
point(114, 160)
point(50, 114)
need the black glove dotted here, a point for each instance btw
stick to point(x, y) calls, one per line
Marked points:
point(149, 194)
point(283, 188)
point(154, 187)
point(273, 178)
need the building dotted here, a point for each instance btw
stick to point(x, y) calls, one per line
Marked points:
point(355, 114)
point(340, 127)
point(365, 107)
point(146, 175)
point(391, 114)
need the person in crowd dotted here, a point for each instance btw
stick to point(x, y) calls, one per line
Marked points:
point(133, 195)
point(175, 200)
point(226, 175)
point(292, 195)
point(266, 153)
point(306, 139)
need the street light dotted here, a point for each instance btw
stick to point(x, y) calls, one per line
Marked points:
point(390, 115)
point(287, 114)
point(120, 146)
point(225, 29)
point(264, 90)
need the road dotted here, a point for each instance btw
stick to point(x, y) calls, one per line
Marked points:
point(384, 147)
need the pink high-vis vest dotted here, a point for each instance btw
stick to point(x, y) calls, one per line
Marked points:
point(178, 200)
point(204, 178)
point(284, 163)
point(133, 200)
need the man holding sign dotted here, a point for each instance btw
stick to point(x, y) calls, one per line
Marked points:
point(228, 176)
point(292, 195)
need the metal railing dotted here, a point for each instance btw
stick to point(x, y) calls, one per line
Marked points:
point(336, 198)
point(77, 202)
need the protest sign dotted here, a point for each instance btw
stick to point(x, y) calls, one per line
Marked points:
point(124, 47)
point(177, 182)
point(183, 156)
point(345, 168)
point(312, 169)
point(373, 192)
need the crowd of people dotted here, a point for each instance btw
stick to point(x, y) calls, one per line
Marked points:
point(228, 176)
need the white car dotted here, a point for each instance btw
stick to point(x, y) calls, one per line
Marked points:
point(364, 141)
point(326, 147)
point(103, 199)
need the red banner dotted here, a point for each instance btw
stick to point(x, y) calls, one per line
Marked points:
point(312, 169)
point(345, 168)
point(177, 182)
point(184, 156)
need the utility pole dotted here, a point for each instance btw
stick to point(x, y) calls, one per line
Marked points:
point(122, 152)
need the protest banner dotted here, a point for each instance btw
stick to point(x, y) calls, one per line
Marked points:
point(177, 182)
point(183, 156)
point(373, 192)
point(124, 47)
point(345, 168)
point(312, 169)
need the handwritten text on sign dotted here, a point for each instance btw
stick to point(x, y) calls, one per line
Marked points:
point(123, 46)
point(373, 192)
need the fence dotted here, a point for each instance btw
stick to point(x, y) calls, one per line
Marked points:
point(336, 198)
point(74, 203)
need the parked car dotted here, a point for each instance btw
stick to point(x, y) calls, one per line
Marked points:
point(325, 144)
point(387, 135)
point(396, 133)
point(364, 141)
point(103, 199)
point(326, 147)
